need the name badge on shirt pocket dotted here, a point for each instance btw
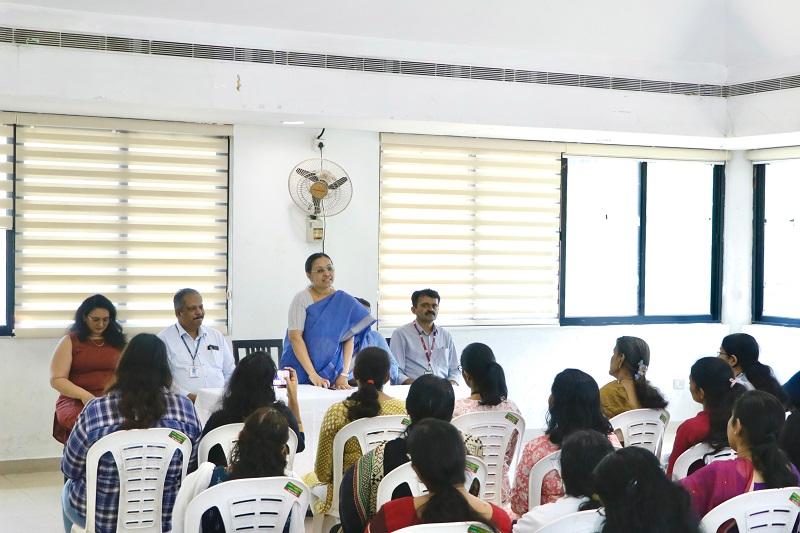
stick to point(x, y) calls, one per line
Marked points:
point(213, 347)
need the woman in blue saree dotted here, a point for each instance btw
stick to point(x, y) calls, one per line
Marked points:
point(323, 324)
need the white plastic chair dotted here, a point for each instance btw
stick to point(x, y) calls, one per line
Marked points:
point(252, 504)
point(226, 436)
point(643, 428)
point(369, 432)
point(699, 452)
point(762, 511)
point(475, 469)
point(450, 527)
point(142, 457)
point(543, 466)
point(494, 429)
point(580, 522)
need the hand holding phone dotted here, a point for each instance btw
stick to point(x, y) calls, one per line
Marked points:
point(281, 378)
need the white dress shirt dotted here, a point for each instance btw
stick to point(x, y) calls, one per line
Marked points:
point(204, 362)
point(541, 515)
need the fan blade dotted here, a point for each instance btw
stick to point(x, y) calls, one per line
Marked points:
point(307, 174)
point(317, 206)
point(338, 183)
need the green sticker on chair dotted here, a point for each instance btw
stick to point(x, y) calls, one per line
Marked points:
point(406, 421)
point(663, 418)
point(474, 528)
point(293, 489)
point(472, 467)
point(177, 437)
point(512, 418)
point(795, 499)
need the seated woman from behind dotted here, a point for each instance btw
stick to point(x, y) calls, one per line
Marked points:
point(260, 452)
point(439, 459)
point(574, 405)
point(753, 431)
point(428, 397)
point(631, 390)
point(487, 381)
point(580, 454)
point(712, 385)
point(740, 351)
point(371, 372)
point(250, 388)
point(138, 398)
point(637, 496)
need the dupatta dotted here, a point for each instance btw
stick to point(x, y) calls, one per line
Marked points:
point(718, 482)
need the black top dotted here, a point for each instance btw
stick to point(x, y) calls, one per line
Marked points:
point(221, 418)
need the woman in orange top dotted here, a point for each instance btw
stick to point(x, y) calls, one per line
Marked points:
point(84, 361)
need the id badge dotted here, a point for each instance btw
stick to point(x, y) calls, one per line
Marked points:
point(194, 372)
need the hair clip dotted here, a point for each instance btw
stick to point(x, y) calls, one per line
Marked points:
point(371, 382)
point(641, 370)
point(733, 382)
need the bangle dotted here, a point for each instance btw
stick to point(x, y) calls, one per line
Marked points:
point(345, 374)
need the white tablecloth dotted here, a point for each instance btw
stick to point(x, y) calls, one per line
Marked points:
point(314, 402)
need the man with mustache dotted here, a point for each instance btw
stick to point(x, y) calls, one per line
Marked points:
point(421, 347)
point(199, 357)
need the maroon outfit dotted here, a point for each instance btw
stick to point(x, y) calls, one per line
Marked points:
point(692, 431)
point(92, 369)
point(400, 513)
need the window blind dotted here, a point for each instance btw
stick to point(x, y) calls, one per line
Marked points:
point(6, 174)
point(134, 215)
point(475, 219)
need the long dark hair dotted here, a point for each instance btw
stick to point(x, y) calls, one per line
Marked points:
point(488, 378)
point(438, 455)
point(762, 418)
point(580, 454)
point(746, 350)
point(370, 371)
point(637, 360)
point(113, 334)
point(715, 377)
point(141, 378)
point(250, 386)
point(261, 448)
point(637, 495)
point(790, 438)
point(430, 396)
point(575, 405)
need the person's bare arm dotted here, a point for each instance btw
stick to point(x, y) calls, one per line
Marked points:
point(59, 372)
point(301, 352)
point(347, 352)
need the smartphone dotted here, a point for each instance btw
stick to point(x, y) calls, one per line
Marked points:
point(280, 379)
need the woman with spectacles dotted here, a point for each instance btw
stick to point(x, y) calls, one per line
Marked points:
point(323, 326)
point(84, 361)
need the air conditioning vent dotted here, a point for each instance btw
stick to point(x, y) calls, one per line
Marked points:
point(167, 48)
point(38, 38)
point(345, 63)
point(626, 84)
point(655, 86)
point(561, 78)
point(768, 85)
point(417, 68)
point(132, 46)
point(487, 73)
point(254, 55)
point(530, 76)
point(221, 53)
point(6, 35)
point(83, 40)
point(300, 59)
point(595, 82)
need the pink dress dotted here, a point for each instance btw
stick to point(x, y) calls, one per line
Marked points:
point(468, 405)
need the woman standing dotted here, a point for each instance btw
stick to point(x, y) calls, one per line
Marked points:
point(322, 325)
point(84, 361)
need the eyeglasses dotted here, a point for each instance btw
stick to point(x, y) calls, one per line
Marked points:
point(323, 270)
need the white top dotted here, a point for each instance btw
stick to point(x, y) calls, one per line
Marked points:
point(213, 364)
point(541, 515)
point(741, 379)
point(297, 310)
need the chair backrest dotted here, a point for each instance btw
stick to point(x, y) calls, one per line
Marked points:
point(699, 452)
point(643, 428)
point(274, 347)
point(475, 469)
point(252, 505)
point(763, 511)
point(450, 527)
point(494, 429)
point(543, 466)
point(226, 436)
point(142, 457)
point(580, 522)
point(369, 432)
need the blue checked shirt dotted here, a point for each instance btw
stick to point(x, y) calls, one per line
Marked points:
point(100, 417)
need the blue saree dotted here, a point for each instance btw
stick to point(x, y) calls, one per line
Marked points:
point(329, 322)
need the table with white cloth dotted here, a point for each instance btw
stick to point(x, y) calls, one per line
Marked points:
point(314, 402)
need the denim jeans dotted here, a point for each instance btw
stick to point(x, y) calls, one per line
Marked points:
point(69, 513)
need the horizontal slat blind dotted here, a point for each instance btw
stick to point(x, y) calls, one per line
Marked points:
point(6, 174)
point(475, 219)
point(134, 215)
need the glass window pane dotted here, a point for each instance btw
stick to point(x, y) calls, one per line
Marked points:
point(782, 239)
point(680, 198)
point(3, 272)
point(602, 259)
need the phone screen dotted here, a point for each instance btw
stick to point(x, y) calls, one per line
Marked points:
point(280, 379)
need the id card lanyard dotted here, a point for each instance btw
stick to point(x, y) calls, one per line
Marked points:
point(428, 352)
point(193, 372)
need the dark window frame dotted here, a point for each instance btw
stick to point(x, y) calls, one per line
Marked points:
point(8, 329)
point(715, 291)
point(759, 215)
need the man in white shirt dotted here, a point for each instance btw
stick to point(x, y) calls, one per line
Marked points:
point(423, 348)
point(199, 357)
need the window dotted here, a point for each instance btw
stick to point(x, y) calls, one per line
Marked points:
point(641, 241)
point(134, 210)
point(776, 286)
point(475, 219)
point(6, 228)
